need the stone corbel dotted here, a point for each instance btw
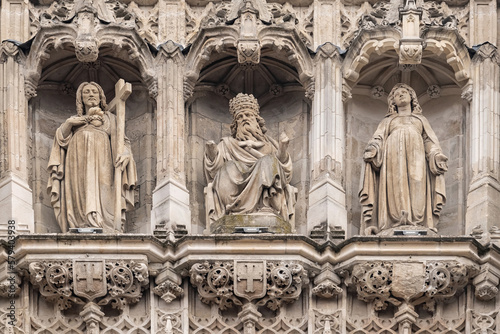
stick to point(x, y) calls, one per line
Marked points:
point(486, 283)
point(408, 284)
point(327, 283)
point(261, 283)
point(10, 287)
point(86, 48)
point(249, 51)
point(168, 284)
point(92, 283)
point(410, 45)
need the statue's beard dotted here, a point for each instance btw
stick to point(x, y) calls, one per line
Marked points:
point(249, 132)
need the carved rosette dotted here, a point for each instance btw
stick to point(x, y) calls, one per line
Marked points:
point(87, 281)
point(373, 283)
point(269, 283)
point(168, 291)
point(215, 283)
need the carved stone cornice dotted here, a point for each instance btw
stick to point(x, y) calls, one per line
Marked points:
point(410, 283)
point(86, 281)
point(263, 283)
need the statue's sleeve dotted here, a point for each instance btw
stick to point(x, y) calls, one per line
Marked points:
point(213, 166)
point(378, 141)
point(432, 147)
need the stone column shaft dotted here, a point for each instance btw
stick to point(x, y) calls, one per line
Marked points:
point(327, 29)
point(483, 21)
point(15, 194)
point(14, 20)
point(170, 198)
point(172, 21)
point(327, 194)
point(483, 200)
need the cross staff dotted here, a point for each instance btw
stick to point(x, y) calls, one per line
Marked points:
point(122, 92)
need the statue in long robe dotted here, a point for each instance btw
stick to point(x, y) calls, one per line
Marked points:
point(249, 172)
point(402, 182)
point(83, 162)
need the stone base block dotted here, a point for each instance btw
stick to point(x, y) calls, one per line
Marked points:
point(16, 203)
point(171, 206)
point(327, 205)
point(483, 206)
point(274, 223)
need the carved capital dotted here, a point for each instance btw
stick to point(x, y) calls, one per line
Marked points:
point(10, 287)
point(266, 283)
point(410, 52)
point(486, 283)
point(486, 51)
point(328, 50)
point(467, 93)
point(327, 283)
point(249, 52)
point(168, 291)
point(86, 50)
point(10, 50)
point(346, 92)
point(171, 50)
point(85, 281)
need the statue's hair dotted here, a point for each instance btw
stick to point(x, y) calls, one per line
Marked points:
point(393, 108)
point(238, 103)
point(80, 108)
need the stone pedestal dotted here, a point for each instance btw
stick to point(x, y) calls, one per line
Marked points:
point(273, 223)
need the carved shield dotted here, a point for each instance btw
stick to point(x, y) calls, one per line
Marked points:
point(408, 280)
point(250, 279)
point(89, 279)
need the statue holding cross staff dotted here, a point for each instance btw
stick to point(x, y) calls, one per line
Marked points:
point(92, 170)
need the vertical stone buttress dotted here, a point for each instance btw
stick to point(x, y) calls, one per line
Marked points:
point(15, 194)
point(327, 202)
point(171, 197)
point(483, 200)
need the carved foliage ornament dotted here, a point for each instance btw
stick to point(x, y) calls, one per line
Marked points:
point(380, 282)
point(227, 284)
point(83, 281)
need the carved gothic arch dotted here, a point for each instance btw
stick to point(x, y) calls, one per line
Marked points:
point(221, 39)
point(114, 38)
point(437, 40)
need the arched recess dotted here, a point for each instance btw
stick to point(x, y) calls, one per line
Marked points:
point(282, 81)
point(53, 74)
point(371, 69)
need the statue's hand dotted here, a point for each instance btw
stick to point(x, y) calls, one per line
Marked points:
point(95, 111)
point(441, 163)
point(71, 123)
point(370, 153)
point(122, 160)
point(211, 150)
point(283, 147)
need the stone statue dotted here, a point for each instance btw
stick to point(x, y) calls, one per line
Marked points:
point(82, 164)
point(249, 172)
point(403, 182)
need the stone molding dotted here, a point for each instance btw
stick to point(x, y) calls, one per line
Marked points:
point(235, 283)
point(85, 281)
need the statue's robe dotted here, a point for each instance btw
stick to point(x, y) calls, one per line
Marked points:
point(403, 175)
point(81, 176)
point(245, 181)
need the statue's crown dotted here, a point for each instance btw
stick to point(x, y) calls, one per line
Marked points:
point(243, 101)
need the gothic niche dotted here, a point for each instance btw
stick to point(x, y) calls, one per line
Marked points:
point(272, 89)
point(54, 104)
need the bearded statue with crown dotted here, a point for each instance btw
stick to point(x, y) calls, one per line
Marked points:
point(249, 173)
